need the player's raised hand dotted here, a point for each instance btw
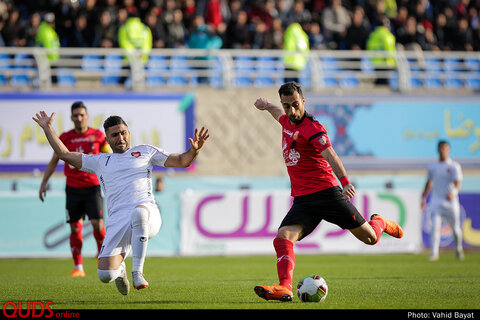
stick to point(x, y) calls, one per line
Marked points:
point(261, 103)
point(199, 138)
point(43, 119)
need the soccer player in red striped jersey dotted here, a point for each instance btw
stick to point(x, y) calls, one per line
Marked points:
point(83, 193)
point(313, 167)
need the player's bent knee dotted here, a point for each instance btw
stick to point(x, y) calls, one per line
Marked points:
point(140, 217)
point(107, 276)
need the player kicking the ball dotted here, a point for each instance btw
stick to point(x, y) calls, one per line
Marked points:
point(126, 180)
point(312, 165)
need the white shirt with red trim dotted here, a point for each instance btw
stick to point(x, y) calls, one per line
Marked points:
point(126, 178)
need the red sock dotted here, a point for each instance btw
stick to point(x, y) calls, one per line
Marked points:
point(76, 242)
point(285, 261)
point(378, 226)
point(99, 236)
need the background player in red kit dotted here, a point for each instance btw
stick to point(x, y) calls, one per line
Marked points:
point(313, 167)
point(82, 189)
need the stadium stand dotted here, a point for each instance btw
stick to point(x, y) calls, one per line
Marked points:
point(438, 44)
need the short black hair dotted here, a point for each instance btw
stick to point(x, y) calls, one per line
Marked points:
point(287, 89)
point(442, 142)
point(78, 104)
point(113, 121)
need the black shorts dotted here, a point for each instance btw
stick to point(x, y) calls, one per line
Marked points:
point(83, 202)
point(329, 205)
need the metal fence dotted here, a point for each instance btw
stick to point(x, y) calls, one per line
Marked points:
point(404, 71)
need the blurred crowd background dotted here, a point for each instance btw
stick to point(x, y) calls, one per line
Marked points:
point(246, 24)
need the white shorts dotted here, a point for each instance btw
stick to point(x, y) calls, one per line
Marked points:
point(118, 235)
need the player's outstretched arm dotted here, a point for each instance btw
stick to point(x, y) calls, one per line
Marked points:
point(185, 159)
point(45, 122)
point(264, 104)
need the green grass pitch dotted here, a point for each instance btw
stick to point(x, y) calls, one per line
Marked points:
point(397, 281)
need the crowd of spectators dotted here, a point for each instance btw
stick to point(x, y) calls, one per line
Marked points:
point(247, 24)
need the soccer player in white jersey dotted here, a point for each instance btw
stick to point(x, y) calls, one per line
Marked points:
point(126, 179)
point(444, 180)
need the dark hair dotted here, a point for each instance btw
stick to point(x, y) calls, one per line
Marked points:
point(441, 142)
point(78, 104)
point(287, 89)
point(113, 121)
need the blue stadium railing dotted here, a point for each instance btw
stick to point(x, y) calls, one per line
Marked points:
point(160, 68)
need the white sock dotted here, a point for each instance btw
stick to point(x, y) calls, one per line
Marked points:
point(79, 267)
point(140, 232)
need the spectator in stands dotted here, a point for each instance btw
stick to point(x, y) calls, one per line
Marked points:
point(357, 33)
point(47, 37)
point(335, 22)
point(166, 17)
point(31, 29)
point(464, 38)
point(13, 31)
point(189, 12)
point(277, 34)
point(238, 34)
point(134, 35)
point(159, 34)
point(83, 35)
point(411, 36)
point(316, 38)
point(203, 36)
point(217, 15)
point(296, 44)
point(177, 34)
point(106, 30)
point(298, 14)
point(262, 12)
point(430, 43)
point(65, 12)
point(382, 39)
point(440, 32)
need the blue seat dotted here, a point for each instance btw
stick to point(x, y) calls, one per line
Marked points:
point(181, 73)
point(4, 66)
point(366, 65)
point(156, 71)
point(23, 66)
point(473, 81)
point(472, 64)
point(329, 64)
point(266, 68)
point(112, 70)
point(216, 78)
point(349, 80)
point(433, 82)
point(452, 64)
point(92, 63)
point(433, 64)
point(244, 68)
point(65, 78)
point(453, 80)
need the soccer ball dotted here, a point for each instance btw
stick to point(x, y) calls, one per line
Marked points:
point(312, 288)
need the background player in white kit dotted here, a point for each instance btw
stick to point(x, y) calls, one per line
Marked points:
point(444, 179)
point(126, 179)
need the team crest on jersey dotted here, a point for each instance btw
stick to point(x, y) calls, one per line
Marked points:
point(136, 154)
point(322, 140)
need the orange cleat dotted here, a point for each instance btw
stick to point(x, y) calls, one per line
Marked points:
point(392, 228)
point(77, 273)
point(275, 292)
